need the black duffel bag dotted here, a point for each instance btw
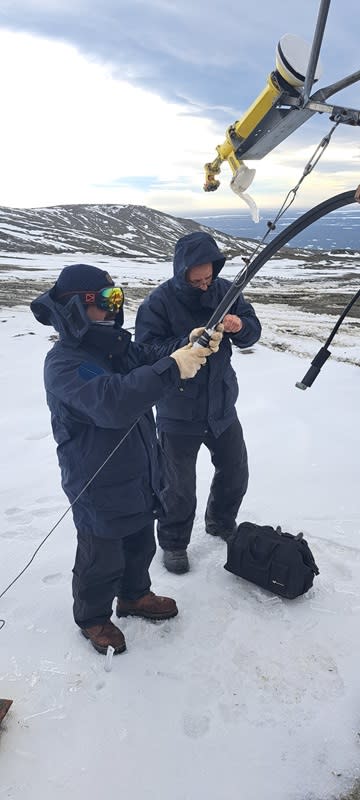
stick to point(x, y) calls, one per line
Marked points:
point(275, 560)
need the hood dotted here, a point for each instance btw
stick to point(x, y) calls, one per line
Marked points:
point(194, 249)
point(70, 321)
point(190, 251)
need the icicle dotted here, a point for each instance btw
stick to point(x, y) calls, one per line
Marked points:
point(254, 211)
point(241, 181)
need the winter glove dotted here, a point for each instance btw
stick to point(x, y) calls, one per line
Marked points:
point(190, 359)
point(215, 340)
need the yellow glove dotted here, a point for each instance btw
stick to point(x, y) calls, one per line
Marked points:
point(190, 359)
point(215, 340)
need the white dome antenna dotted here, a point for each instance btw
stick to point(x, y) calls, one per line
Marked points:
point(292, 59)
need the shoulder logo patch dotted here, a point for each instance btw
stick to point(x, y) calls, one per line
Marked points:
point(88, 370)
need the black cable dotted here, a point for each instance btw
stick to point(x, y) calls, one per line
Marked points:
point(323, 354)
point(2, 621)
point(343, 314)
point(241, 280)
point(248, 272)
point(333, 203)
point(291, 195)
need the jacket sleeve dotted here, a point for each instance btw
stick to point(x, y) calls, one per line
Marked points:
point(251, 331)
point(96, 397)
point(151, 353)
point(152, 325)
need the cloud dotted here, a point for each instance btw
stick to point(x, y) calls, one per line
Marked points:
point(204, 53)
point(125, 102)
point(70, 128)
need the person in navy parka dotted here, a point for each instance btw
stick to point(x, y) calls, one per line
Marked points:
point(203, 410)
point(100, 389)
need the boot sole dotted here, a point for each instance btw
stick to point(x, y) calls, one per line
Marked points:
point(143, 615)
point(177, 571)
point(224, 536)
point(103, 650)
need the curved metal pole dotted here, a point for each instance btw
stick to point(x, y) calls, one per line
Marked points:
point(243, 278)
point(248, 272)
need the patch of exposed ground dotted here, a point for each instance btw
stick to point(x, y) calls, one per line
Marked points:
point(354, 793)
point(21, 293)
point(306, 298)
point(312, 300)
point(297, 316)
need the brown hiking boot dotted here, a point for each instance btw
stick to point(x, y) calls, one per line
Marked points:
point(101, 636)
point(151, 606)
point(4, 708)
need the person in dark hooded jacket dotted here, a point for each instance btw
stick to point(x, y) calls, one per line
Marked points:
point(201, 411)
point(100, 389)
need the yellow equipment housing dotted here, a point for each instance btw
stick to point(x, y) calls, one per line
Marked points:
point(240, 130)
point(281, 108)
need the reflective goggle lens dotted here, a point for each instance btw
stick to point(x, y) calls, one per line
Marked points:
point(110, 299)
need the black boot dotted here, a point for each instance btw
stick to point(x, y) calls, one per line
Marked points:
point(176, 561)
point(218, 530)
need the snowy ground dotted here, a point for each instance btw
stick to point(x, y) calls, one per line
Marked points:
point(298, 302)
point(243, 694)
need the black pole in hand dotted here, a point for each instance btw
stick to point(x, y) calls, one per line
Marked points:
point(314, 370)
point(204, 339)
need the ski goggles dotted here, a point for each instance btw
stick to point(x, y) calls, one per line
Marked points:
point(109, 299)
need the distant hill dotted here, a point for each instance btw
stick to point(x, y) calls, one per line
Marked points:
point(125, 231)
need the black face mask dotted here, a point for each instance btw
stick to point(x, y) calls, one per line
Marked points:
point(119, 319)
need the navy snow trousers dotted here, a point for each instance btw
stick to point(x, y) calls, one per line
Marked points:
point(228, 487)
point(108, 568)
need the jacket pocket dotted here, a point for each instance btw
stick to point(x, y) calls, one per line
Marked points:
point(180, 404)
point(125, 500)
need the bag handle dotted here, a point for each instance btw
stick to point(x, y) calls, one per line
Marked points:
point(307, 555)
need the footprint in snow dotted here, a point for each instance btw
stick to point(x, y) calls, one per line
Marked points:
point(26, 515)
point(19, 515)
point(55, 578)
point(196, 725)
point(13, 510)
point(34, 437)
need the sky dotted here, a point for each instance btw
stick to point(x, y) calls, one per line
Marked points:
point(124, 102)
point(243, 694)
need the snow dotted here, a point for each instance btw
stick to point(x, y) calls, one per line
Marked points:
point(243, 694)
point(48, 267)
